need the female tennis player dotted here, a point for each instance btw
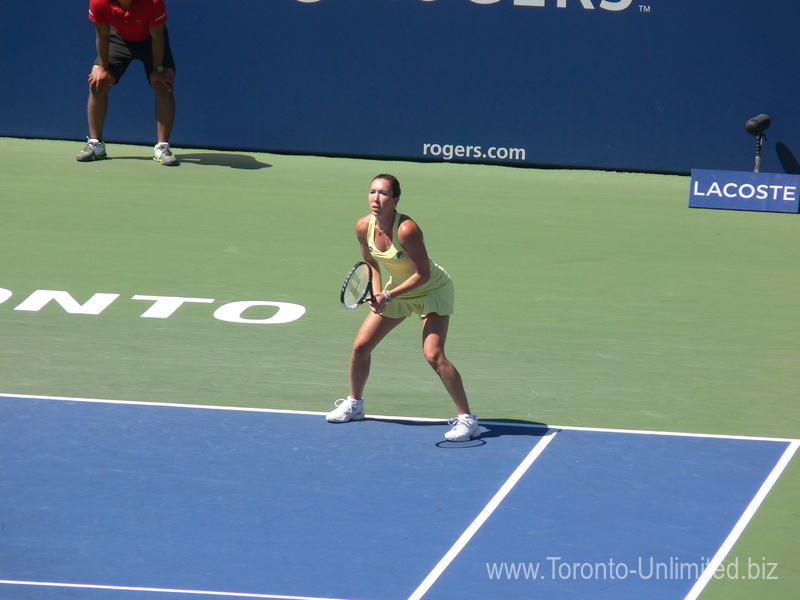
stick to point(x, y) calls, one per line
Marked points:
point(416, 285)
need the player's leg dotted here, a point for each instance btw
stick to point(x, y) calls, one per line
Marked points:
point(96, 110)
point(100, 82)
point(372, 331)
point(98, 104)
point(434, 336)
point(165, 116)
point(163, 83)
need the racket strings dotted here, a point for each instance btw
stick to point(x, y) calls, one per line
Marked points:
point(356, 288)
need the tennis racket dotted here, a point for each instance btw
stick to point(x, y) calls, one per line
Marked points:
point(357, 287)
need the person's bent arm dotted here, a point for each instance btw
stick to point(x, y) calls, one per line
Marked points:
point(410, 238)
point(163, 77)
point(361, 234)
point(101, 74)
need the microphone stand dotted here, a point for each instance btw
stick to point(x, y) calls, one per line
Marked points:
point(759, 144)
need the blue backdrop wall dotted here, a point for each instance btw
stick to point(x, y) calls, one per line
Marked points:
point(646, 85)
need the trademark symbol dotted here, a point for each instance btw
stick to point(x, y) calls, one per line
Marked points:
point(644, 8)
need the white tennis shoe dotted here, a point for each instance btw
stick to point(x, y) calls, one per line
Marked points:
point(162, 152)
point(347, 409)
point(94, 150)
point(465, 427)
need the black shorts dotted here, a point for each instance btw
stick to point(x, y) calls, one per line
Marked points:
point(121, 52)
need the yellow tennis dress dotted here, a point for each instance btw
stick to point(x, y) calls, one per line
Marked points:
point(437, 295)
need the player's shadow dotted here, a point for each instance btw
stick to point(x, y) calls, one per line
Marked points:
point(489, 429)
point(210, 159)
point(224, 159)
point(506, 427)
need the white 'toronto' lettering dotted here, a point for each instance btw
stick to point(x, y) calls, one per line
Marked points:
point(164, 306)
point(232, 312)
point(93, 306)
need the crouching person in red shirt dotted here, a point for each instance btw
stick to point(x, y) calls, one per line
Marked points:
point(127, 30)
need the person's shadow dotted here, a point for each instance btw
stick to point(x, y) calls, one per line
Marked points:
point(223, 159)
point(209, 159)
point(489, 429)
point(500, 428)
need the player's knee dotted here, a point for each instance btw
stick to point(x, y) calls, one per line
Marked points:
point(435, 358)
point(162, 89)
point(164, 86)
point(101, 88)
point(361, 350)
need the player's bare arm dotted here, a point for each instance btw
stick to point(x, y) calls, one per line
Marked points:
point(361, 233)
point(100, 76)
point(165, 77)
point(411, 239)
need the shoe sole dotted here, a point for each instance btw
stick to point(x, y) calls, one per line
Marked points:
point(92, 158)
point(347, 420)
point(471, 436)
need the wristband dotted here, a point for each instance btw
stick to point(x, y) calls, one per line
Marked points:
point(388, 296)
point(158, 69)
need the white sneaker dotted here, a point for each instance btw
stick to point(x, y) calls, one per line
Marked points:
point(163, 153)
point(94, 150)
point(465, 427)
point(347, 409)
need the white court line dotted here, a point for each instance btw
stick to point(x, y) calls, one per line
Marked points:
point(157, 404)
point(484, 514)
point(399, 418)
point(702, 581)
point(121, 588)
point(740, 526)
point(718, 436)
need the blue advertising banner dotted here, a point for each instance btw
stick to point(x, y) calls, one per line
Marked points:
point(743, 190)
point(651, 85)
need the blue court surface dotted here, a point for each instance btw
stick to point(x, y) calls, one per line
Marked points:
point(122, 501)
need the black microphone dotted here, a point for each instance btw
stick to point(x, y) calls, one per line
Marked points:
point(757, 125)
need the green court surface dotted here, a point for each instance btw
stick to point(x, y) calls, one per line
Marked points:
point(583, 298)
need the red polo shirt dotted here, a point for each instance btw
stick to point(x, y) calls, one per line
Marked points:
point(132, 24)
